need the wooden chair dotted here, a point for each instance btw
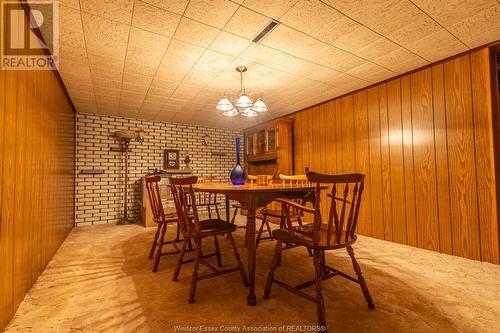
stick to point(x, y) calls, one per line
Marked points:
point(207, 200)
point(196, 230)
point(338, 232)
point(269, 215)
point(161, 217)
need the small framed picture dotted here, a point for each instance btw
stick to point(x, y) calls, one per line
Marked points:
point(171, 159)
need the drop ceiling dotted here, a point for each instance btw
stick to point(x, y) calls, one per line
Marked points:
point(171, 60)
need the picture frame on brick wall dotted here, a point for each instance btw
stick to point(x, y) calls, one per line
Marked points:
point(171, 159)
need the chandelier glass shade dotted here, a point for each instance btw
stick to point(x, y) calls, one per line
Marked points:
point(242, 104)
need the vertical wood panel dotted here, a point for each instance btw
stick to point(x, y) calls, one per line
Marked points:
point(424, 161)
point(409, 174)
point(19, 288)
point(440, 137)
point(425, 142)
point(395, 138)
point(330, 138)
point(8, 199)
point(483, 140)
point(4, 297)
point(361, 152)
point(461, 158)
point(36, 179)
point(375, 163)
point(385, 163)
point(339, 141)
point(347, 132)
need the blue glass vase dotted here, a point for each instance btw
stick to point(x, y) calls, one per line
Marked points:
point(238, 173)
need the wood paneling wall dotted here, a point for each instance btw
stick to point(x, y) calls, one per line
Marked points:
point(36, 179)
point(425, 142)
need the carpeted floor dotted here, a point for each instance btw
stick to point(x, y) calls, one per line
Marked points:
point(101, 281)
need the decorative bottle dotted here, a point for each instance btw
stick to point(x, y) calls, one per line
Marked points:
point(238, 173)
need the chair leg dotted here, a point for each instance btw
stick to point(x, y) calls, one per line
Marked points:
point(309, 251)
point(217, 211)
point(194, 278)
point(318, 277)
point(259, 233)
point(155, 241)
point(274, 264)
point(269, 229)
point(238, 260)
point(177, 270)
point(361, 279)
point(160, 245)
point(209, 212)
point(217, 252)
point(178, 233)
point(234, 215)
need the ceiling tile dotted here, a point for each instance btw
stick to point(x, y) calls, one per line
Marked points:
point(401, 61)
point(246, 23)
point(104, 36)
point(70, 19)
point(212, 12)
point(436, 46)
point(271, 8)
point(400, 21)
point(270, 57)
point(146, 47)
point(124, 61)
point(208, 66)
point(371, 72)
point(315, 18)
point(155, 19)
point(72, 40)
point(481, 28)
point(376, 48)
point(174, 6)
point(195, 33)
point(450, 12)
point(116, 10)
point(230, 44)
point(356, 39)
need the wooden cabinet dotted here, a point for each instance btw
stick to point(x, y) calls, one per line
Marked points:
point(268, 148)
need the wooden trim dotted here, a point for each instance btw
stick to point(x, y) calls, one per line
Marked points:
point(495, 109)
point(38, 33)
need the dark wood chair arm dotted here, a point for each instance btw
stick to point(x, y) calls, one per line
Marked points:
point(296, 205)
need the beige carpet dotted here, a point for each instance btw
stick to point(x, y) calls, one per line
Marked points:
point(101, 281)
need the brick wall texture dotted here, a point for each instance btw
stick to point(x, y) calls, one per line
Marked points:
point(99, 198)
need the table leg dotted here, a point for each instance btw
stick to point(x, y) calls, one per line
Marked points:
point(251, 299)
point(227, 209)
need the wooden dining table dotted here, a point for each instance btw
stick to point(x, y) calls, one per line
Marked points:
point(252, 197)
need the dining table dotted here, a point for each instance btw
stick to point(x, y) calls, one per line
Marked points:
point(252, 197)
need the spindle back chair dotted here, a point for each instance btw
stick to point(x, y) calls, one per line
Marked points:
point(195, 229)
point(269, 215)
point(338, 231)
point(205, 199)
point(161, 217)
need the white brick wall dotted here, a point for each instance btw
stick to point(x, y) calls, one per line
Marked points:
point(99, 198)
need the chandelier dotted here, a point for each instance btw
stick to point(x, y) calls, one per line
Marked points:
point(241, 104)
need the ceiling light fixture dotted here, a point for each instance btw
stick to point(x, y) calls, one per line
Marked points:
point(241, 104)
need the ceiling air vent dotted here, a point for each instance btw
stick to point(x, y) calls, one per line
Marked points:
point(265, 31)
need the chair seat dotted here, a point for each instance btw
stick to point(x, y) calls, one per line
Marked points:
point(302, 235)
point(216, 226)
